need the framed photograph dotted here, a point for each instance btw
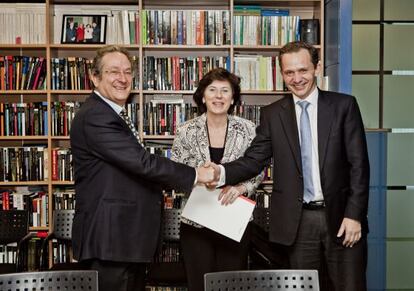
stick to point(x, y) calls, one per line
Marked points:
point(84, 29)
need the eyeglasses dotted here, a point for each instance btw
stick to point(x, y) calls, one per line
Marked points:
point(116, 74)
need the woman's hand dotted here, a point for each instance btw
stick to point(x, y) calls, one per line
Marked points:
point(229, 194)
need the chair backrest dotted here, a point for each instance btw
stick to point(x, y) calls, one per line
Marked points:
point(263, 280)
point(171, 224)
point(261, 216)
point(50, 280)
point(14, 225)
point(62, 223)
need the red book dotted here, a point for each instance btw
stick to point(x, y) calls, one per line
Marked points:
point(9, 70)
point(55, 175)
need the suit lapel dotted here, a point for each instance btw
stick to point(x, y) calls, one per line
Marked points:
point(289, 123)
point(325, 119)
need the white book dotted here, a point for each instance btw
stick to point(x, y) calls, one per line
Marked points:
point(204, 208)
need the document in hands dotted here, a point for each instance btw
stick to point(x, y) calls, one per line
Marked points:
point(204, 208)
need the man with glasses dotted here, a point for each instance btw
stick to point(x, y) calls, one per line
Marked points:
point(118, 183)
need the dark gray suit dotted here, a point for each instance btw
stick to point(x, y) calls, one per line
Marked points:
point(343, 164)
point(118, 187)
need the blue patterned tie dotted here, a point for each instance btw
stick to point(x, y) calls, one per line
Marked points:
point(128, 121)
point(306, 152)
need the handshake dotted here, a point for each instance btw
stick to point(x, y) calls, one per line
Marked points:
point(208, 174)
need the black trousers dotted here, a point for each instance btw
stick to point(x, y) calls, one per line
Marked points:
point(340, 268)
point(118, 276)
point(206, 251)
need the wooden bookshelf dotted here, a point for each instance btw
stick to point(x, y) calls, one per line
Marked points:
point(52, 48)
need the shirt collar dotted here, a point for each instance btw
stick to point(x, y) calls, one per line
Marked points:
point(312, 98)
point(117, 108)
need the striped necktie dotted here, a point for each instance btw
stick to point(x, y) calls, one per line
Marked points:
point(128, 121)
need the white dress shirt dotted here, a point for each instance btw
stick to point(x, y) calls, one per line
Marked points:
point(313, 115)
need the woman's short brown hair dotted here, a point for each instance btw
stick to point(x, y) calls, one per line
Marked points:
point(218, 74)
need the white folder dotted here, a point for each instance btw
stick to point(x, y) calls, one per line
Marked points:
point(204, 208)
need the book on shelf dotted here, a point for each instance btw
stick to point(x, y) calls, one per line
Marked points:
point(22, 73)
point(258, 72)
point(62, 164)
point(23, 119)
point(64, 199)
point(185, 27)
point(179, 73)
point(22, 23)
point(23, 164)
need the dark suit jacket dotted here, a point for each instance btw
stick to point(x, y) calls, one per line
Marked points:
point(343, 163)
point(118, 187)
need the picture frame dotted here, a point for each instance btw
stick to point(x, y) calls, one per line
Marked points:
point(83, 29)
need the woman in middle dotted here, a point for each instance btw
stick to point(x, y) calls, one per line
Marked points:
point(219, 137)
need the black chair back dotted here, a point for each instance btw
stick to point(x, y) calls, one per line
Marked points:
point(14, 225)
point(171, 224)
point(261, 216)
point(263, 280)
point(50, 280)
point(62, 223)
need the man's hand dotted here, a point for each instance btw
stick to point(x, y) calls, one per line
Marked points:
point(352, 230)
point(229, 194)
point(205, 174)
point(216, 168)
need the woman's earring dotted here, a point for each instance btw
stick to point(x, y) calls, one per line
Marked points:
point(204, 101)
point(232, 102)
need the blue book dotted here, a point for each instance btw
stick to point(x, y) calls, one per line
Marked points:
point(275, 12)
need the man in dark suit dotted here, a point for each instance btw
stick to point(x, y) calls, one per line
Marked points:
point(118, 183)
point(321, 173)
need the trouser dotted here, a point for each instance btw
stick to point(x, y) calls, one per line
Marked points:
point(340, 268)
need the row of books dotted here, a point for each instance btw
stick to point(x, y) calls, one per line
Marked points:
point(179, 73)
point(123, 27)
point(22, 73)
point(258, 72)
point(249, 112)
point(23, 164)
point(169, 253)
point(22, 119)
point(29, 257)
point(22, 23)
point(265, 30)
point(62, 114)
point(35, 202)
point(263, 196)
point(164, 118)
point(64, 199)
point(188, 27)
point(62, 164)
point(62, 252)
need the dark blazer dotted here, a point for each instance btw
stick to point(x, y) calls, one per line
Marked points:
point(343, 163)
point(118, 187)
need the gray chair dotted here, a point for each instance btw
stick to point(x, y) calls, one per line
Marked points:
point(263, 280)
point(62, 231)
point(50, 280)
